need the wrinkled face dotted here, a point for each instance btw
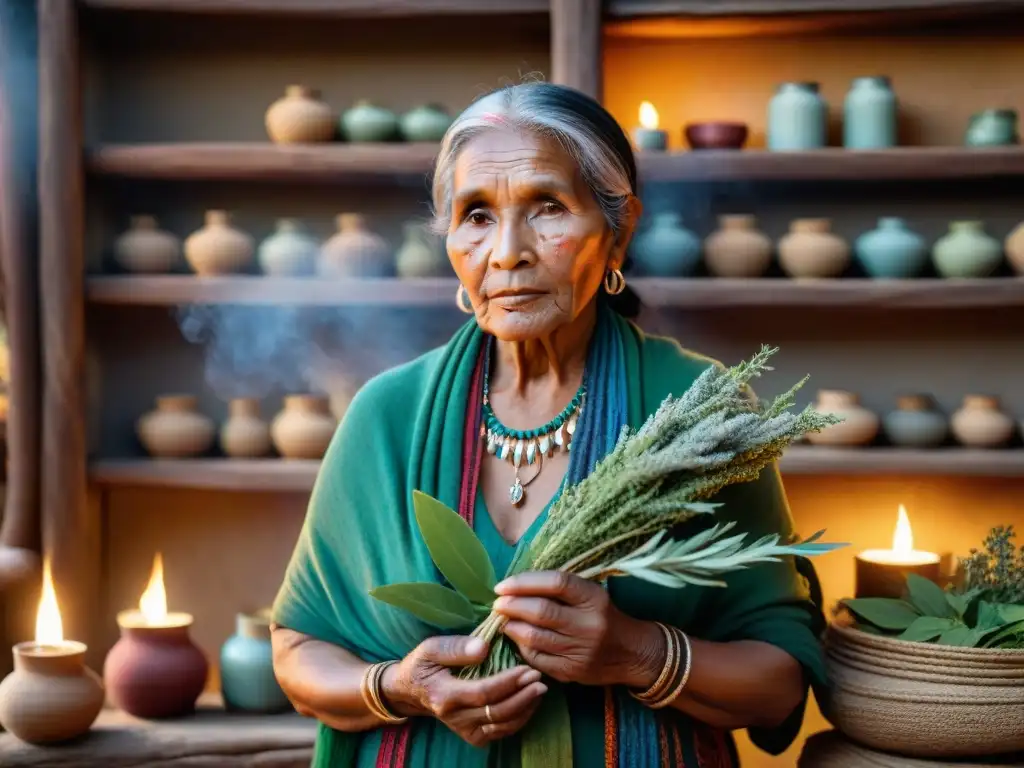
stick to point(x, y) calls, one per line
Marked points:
point(527, 239)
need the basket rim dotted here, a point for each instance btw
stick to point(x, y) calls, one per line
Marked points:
point(845, 630)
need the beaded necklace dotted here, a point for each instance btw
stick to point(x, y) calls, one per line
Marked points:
point(527, 446)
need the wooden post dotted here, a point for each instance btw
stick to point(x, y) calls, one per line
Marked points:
point(71, 536)
point(576, 45)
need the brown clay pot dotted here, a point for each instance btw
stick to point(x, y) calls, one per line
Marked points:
point(304, 428)
point(1014, 248)
point(145, 248)
point(245, 435)
point(737, 248)
point(300, 117)
point(51, 696)
point(811, 249)
point(355, 251)
point(860, 426)
point(980, 423)
point(217, 248)
point(175, 429)
point(716, 135)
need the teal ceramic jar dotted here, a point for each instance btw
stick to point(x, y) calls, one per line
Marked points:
point(426, 123)
point(366, 122)
point(869, 114)
point(247, 668)
point(967, 251)
point(891, 250)
point(666, 248)
point(797, 118)
point(992, 128)
point(916, 423)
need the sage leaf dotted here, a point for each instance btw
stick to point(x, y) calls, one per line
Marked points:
point(961, 636)
point(958, 603)
point(455, 549)
point(883, 612)
point(928, 597)
point(989, 616)
point(1009, 612)
point(1014, 633)
point(925, 628)
point(436, 605)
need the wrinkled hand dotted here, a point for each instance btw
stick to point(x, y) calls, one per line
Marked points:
point(423, 684)
point(568, 628)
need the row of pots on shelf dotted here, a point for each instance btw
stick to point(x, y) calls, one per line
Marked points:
point(979, 422)
point(300, 116)
point(220, 248)
point(666, 248)
point(176, 429)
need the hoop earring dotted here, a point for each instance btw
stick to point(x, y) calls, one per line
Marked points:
point(462, 300)
point(614, 282)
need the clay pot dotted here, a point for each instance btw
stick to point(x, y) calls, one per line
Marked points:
point(421, 254)
point(289, 252)
point(366, 122)
point(245, 435)
point(922, 699)
point(300, 117)
point(355, 251)
point(50, 696)
point(891, 250)
point(175, 429)
point(665, 248)
point(716, 135)
point(737, 248)
point(810, 249)
point(145, 248)
point(218, 248)
point(1014, 247)
point(429, 122)
point(860, 426)
point(980, 423)
point(916, 423)
point(247, 679)
point(967, 251)
point(155, 672)
point(304, 428)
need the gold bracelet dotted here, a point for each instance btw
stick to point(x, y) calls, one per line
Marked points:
point(678, 689)
point(668, 671)
point(370, 689)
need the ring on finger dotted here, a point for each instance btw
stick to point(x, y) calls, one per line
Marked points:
point(487, 713)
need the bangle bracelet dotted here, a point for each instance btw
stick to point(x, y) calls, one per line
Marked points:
point(370, 689)
point(668, 671)
point(683, 679)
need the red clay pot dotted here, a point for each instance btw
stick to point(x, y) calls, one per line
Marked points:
point(716, 135)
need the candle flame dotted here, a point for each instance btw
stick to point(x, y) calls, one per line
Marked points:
point(648, 116)
point(49, 627)
point(903, 536)
point(153, 603)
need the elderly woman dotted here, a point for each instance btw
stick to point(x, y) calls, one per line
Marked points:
point(536, 189)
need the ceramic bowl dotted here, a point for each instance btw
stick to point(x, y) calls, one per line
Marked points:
point(716, 135)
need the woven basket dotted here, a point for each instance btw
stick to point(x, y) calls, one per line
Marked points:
point(830, 749)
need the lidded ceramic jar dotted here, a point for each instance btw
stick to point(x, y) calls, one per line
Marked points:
point(367, 122)
point(304, 428)
point(797, 118)
point(811, 249)
point(300, 117)
point(981, 423)
point(218, 248)
point(859, 426)
point(289, 251)
point(145, 248)
point(992, 128)
point(51, 696)
point(892, 250)
point(247, 679)
point(916, 423)
point(869, 114)
point(175, 429)
point(737, 248)
point(245, 435)
point(355, 251)
point(665, 248)
point(967, 251)
point(421, 253)
point(428, 122)
point(1014, 247)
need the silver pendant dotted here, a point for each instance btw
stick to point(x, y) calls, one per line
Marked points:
point(516, 493)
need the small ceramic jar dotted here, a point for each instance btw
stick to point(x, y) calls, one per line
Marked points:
point(248, 683)
point(869, 114)
point(967, 250)
point(355, 251)
point(859, 426)
point(366, 122)
point(218, 248)
point(1014, 247)
point(421, 253)
point(992, 128)
point(300, 117)
point(245, 435)
point(916, 423)
point(425, 123)
point(797, 118)
point(981, 423)
point(175, 429)
point(665, 248)
point(289, 252)
point(145, 248)
point(811, 250)
point(737, 248)
point(892, 250)
point(304, 428)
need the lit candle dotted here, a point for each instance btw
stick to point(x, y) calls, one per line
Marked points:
point(155, 670)
point(883, 572)
point(51, 696)
point(648, 136)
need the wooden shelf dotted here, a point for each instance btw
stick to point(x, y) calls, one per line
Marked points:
point(714, 8)
point(696, 293)
point(361, 8)
point(298, 476)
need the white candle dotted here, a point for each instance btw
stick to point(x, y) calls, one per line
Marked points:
point(648, 136)
point(883, 572)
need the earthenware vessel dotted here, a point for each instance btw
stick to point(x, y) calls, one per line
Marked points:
point(981, 423)
point(916, 423)
point(859, 426)
point(218, 248)
point(967, 251)
point(992, 128)
point(891, 250)
point(797, 118)
point(367, 122)
point(869, 114)
point(289, 252)
point(145, 248)
point(425, 123)
point(1014, 247)
point(304, 428)
point(737, 248)
point(245, 435)
point(300, 117)
point(355, 251)
point(716, 135)
point(810, 249)
point(421, 253)
point(247, 680)
point(175, 429)
point(665, 248)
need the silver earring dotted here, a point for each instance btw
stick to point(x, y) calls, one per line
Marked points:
point(614, 282)
point(462, 300)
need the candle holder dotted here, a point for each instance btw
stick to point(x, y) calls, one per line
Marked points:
point(51, 696)
point(650, 139)
point(878, 578)
point(247, 679)
point(155, 670)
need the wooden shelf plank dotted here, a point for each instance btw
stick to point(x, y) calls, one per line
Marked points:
point(361, 8)
point(285, 475)
point(696, 293)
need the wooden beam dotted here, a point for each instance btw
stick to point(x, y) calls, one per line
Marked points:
point(576, 45)
point(358, 8)
point(718, 8)
point(71, 536)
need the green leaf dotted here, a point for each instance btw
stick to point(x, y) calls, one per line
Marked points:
point(1014, 633)
point(1009, 612)
point(958, 603)
point(442, 607)
point(927, 628)
point(928, 597)
point(547, 739)
point(455, 549)
point(989, 617)
point(883, 612)
point(961, 636)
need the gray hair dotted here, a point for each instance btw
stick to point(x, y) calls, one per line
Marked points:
point(578, 123)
